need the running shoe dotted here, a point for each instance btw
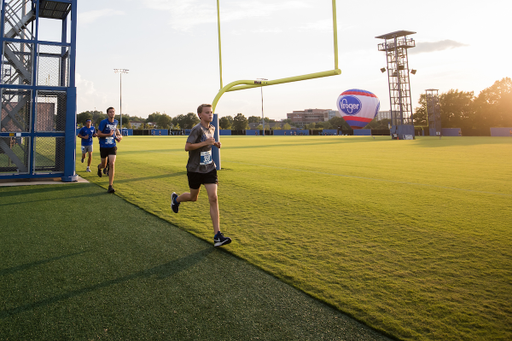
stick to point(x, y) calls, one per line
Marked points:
point(99, 172)
point(105, 170)
point(220, 240)
point(88, 170)
point(111, 189)
point(174, 204)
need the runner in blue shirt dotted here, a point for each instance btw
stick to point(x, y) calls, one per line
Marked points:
point(108, 135)
point(86, 134)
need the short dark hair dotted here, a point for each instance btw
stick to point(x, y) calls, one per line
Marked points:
point(110, 108)
point(200, 108)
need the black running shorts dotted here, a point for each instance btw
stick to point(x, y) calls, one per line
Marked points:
point(195, 180)
point(105, 152)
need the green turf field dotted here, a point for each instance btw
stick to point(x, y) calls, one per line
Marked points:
point(80, 264)
point(410, 237)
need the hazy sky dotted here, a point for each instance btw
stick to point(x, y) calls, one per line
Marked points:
point(171, 50)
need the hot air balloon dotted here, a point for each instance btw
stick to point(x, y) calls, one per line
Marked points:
point(358, 107)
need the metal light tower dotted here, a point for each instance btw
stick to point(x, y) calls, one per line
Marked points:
point(120, 72)
point(396, 45)
point(433, 112)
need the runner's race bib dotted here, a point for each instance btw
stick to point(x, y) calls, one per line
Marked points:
point(111, 139)
point(206, 158)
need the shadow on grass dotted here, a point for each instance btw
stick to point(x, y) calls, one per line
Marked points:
point(161, 272)
point(172, 175)
point(36, 189)
point(88, 196)
point(451, 141)
point(175, 150)
point(294, 145)
point(34, 264)
point(420, 141)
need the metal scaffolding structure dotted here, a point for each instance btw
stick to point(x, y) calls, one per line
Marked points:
point(433, 112)
point(395, 46)
point(37, 90)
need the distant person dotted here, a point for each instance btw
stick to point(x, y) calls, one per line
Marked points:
point(108, 135)
point(86, 134)
point(201, 170)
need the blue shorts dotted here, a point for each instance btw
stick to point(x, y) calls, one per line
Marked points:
point(195, 180)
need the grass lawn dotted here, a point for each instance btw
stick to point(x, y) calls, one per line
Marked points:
point(411, 237)
point(80, 264)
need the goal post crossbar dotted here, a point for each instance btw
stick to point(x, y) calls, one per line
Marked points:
point(249, 84)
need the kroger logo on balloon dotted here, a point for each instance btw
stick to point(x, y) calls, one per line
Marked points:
point(357, 107)
point(350, 105)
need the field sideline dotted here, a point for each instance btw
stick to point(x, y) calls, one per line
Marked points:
point(410, 237)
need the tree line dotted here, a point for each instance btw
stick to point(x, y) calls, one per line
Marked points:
point(155, 120)
point(458, 109)
point(188, 121)
point(462, 109)
point(240, 122)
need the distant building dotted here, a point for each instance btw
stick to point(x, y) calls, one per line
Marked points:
point(140, 125)
point(268, 125)
point(334, 113)
point(383, 115)
point(311, 115)
point(136, 125)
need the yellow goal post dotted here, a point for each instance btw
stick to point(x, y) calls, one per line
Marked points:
point(249, 84)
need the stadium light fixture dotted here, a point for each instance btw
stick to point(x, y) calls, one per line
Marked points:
point(262, 115)
point(120, 72)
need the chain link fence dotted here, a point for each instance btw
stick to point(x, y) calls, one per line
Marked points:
point(14, 153)
point(17, 63)
point(53, 65)
point(15, 116)
point(50, 111)
point(49, 154)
